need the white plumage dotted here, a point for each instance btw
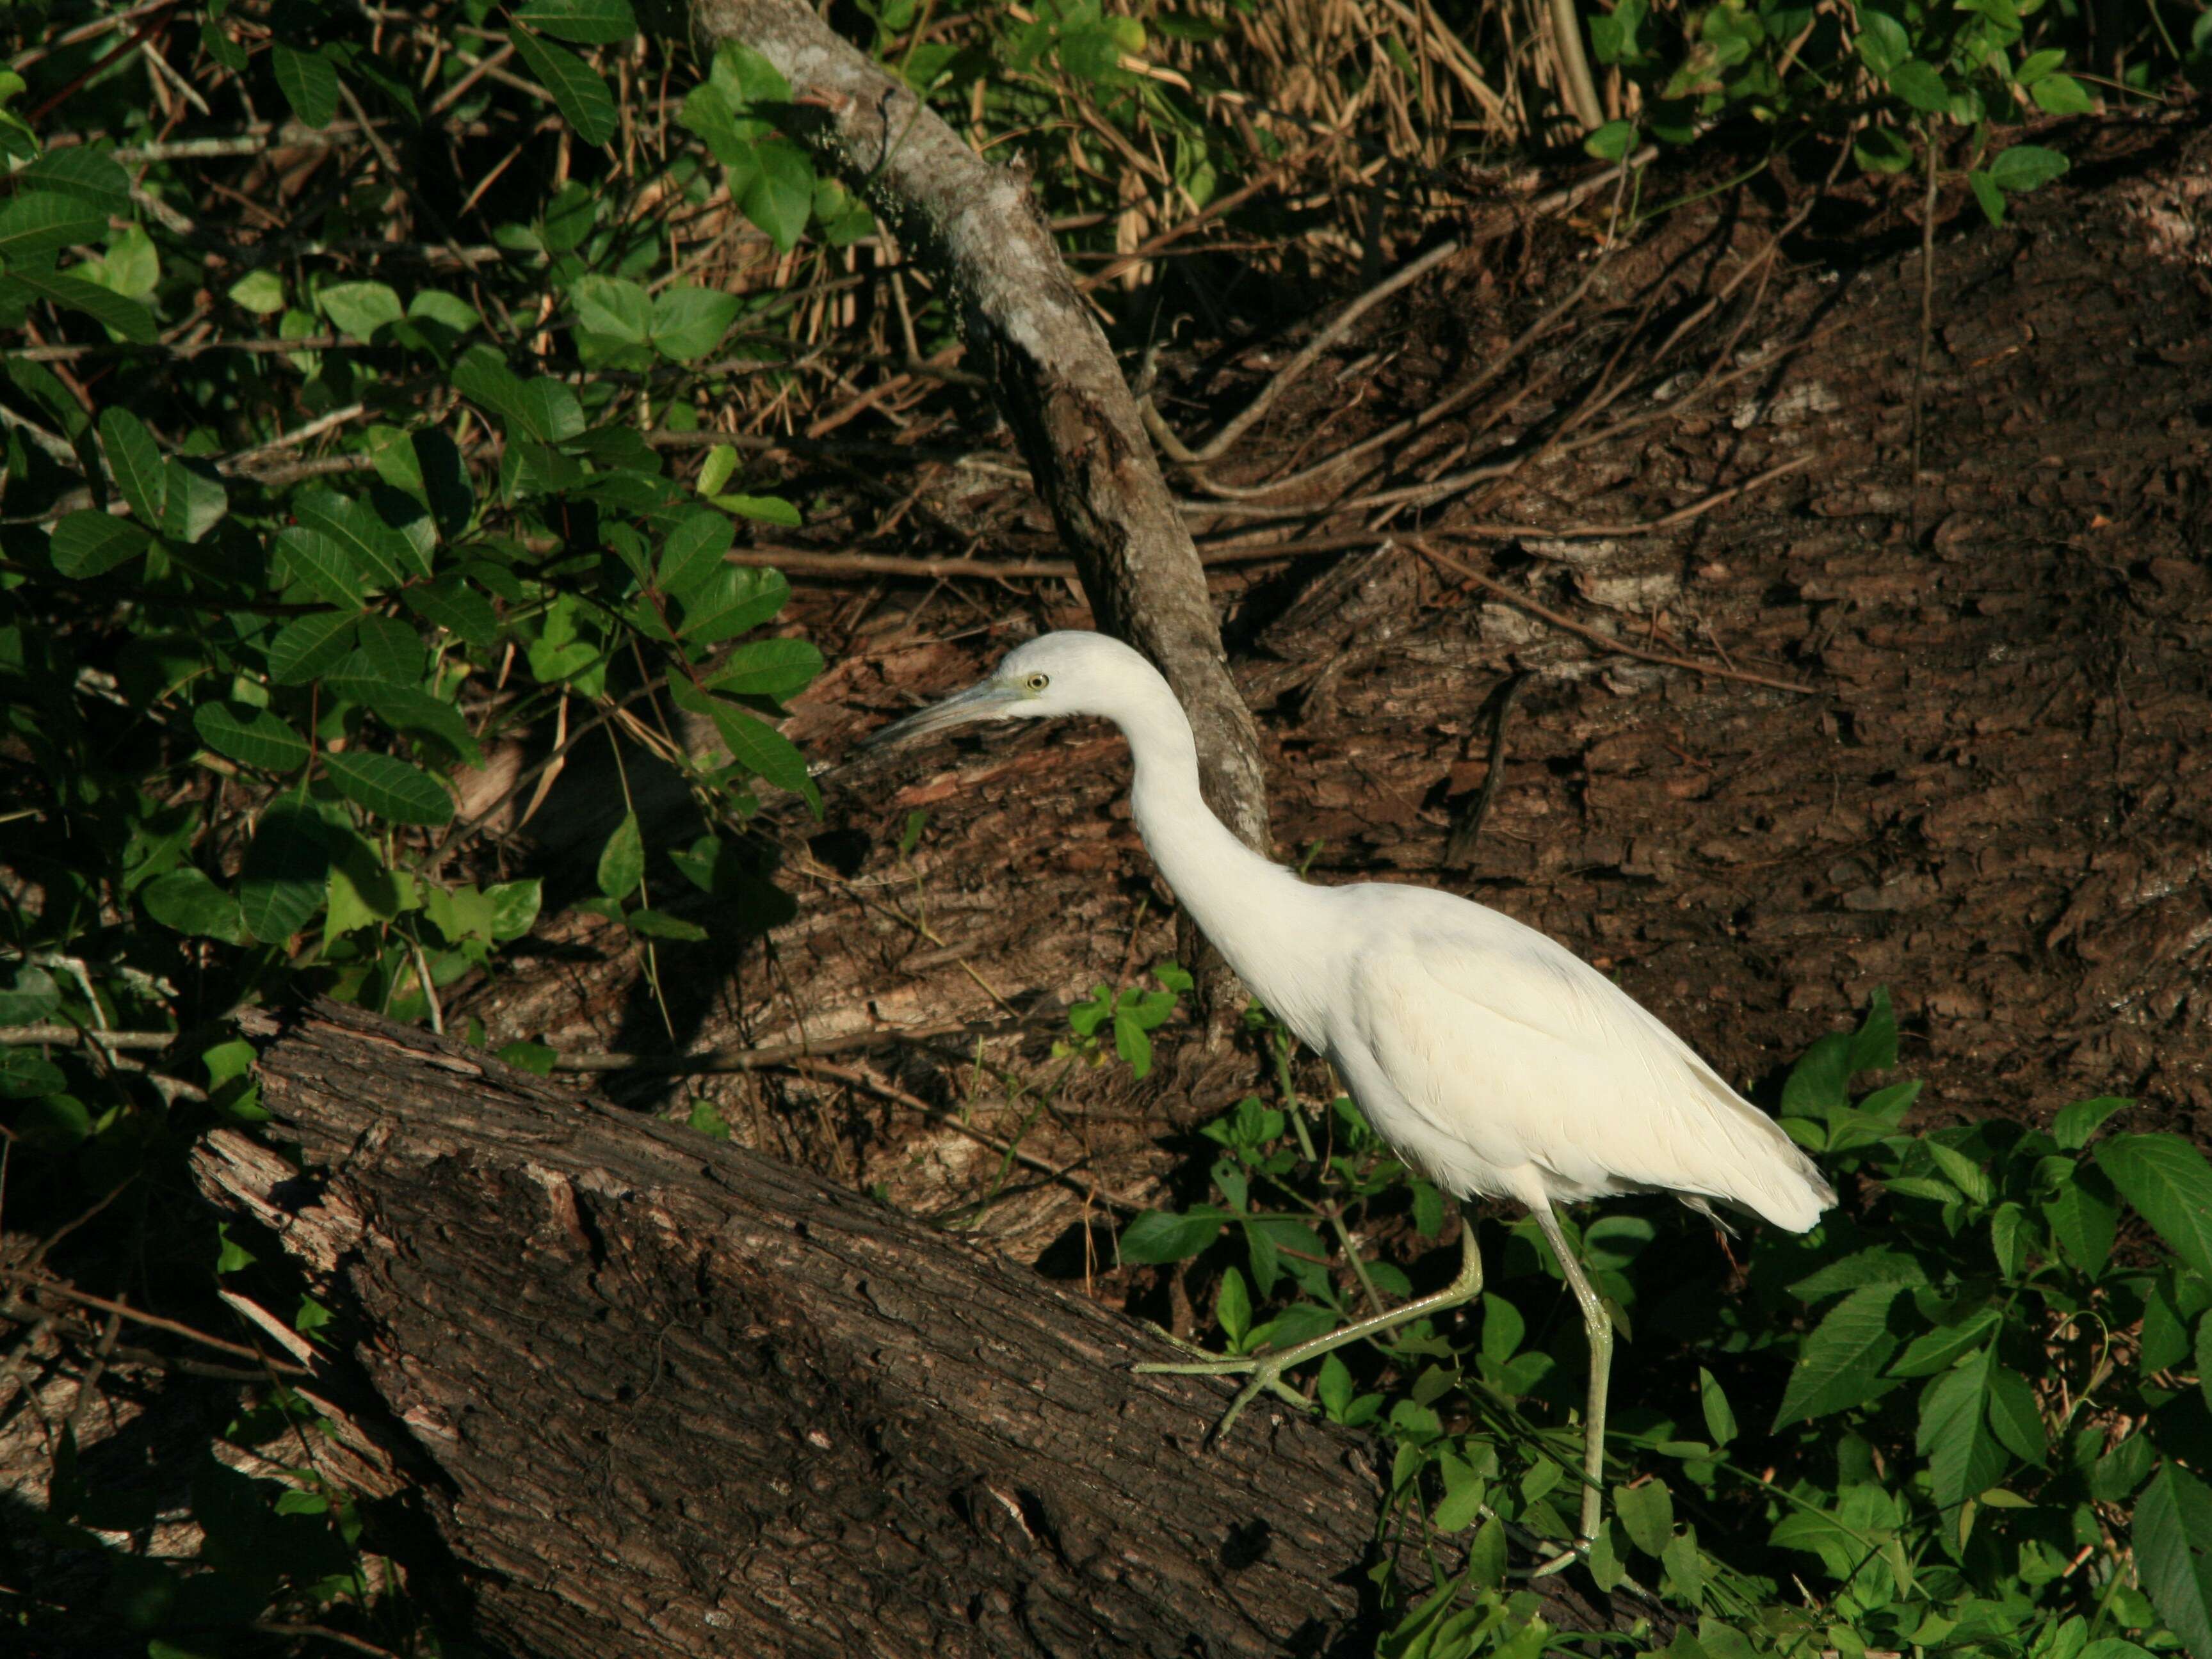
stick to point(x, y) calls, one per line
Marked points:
point(1488, 1055)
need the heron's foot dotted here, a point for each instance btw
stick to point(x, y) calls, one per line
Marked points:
point(1567, 1558)
point(1265, 1377)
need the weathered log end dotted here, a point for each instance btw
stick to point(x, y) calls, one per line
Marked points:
point(681, 1399)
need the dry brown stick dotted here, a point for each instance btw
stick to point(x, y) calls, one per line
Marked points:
point(722, 1060)
point(1595, 637)
point(40, 1283)
point(1237, 425)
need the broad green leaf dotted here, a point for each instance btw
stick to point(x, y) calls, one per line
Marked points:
point(305, 646)
point(451, 604)
point(586, 22)
point(1612, 141)
point(2034, 67)
point(126, 316)
point(309, 81)
point(622, 861)
point(89, 543)
point(2062, 94)
point(381, 556)
point(1873, 1044)
point(2170, 1184)
point(2012, 1417)
point(391, 788)
point(30, 997)
point(578, 91)
point(762, 750)
point(1964, 1458)
point(660, 924)
point(1232, 1307)
point(778, 195)
point(768, 509)
point(321, 565)
point(194, 499)
point(25, 1077)
point(1160, 1236)
point(136, 462)
point(1964, 1173)
point(734, 599)
point(1720, 1419)
point(260, 291)
point(767, 668)
point(1820, 1080)
point(90, 174)
point(1841, 1362)
point(746, 77)
point(1883, 42)
point(187, 901)
point(1940, 1348)
point(1647, 1513)
point(253, 735)
point(549, 410)
point(40, 221)
point(1877, 1264)
point(1920, 85)
point(688, 321)
point(416, 711)
point(281, 884)
point(359, 309)
point(693, 552)
point(2074, 1124)
point(613, 306)
point(514, 907)
point(481, 375)
point(2173, 1537)
point(2026, 167)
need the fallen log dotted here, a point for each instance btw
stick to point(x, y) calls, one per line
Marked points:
point(664, 1396)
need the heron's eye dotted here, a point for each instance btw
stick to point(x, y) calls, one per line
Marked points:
point(1037, 681)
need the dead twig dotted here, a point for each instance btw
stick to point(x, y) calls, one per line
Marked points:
point(1466, 828)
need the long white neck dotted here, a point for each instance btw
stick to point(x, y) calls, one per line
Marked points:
point(1257, 912)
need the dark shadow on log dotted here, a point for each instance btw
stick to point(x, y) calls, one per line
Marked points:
point(673, 1397)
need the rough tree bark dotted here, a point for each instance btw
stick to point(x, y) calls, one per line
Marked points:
point(1055, 378)
point(662, 1395)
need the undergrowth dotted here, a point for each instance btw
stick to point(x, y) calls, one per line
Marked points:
point(1967, 1413)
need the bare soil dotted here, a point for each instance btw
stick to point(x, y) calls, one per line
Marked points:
point(1997, 800)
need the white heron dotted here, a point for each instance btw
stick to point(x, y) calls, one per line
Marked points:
point(1489, 1058)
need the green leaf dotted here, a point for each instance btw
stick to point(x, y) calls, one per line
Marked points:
point(89, 543)
point(137, 464)
point(1992, 199)
point(769, 509)
point(586, 22)
point(622, 861)
point(359, 309)
point(187, 901)
point(2084, 1217)
point(1920, 85)
point(40, 221)
point(306, 645)
point(2074, 1124)
point(2017, 1424)
point(613, 306)
point(1843, 1357)
point(1612, 141)
point(391, 788)
point(126, 316)
point(31, 997)
point(693, 552)
point(281, 884)
point(2026, 167)
point(315, 562)
point(514, 907)
point(767, 668)
point(2062, 94)
point(753, 744)
point(2173, 1537)
point(779, 196)
point(1160, 1236)
point(1964, 1458)
point(660, 924)
point(1874, 1045)
point(2170, 1186)
point(734, 599)
point(1820, 1080)
point(2034, 67)
point(260, 291)
point(253, 735)
point(91, 175)
point(1883, 42)
point(1647, 1513)
point(1232, 1307)
point(381, 556)
point(416, 712)
point(1720, 1419)
point(309, 81)
point(1940, 1348)
point(688, 321)
point(25, 1077)
point(193, 501)
point(578, 91)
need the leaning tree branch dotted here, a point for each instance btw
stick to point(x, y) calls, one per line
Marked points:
point(1053, 376)
point(658, 1394)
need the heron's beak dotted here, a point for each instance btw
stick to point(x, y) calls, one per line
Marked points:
point(986, 699)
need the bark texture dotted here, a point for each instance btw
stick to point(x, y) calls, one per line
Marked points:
point(671, 1398)
point(1056, 381)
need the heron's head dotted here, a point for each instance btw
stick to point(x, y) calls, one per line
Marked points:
point(1054, 674)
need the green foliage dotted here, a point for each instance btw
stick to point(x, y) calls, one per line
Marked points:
point(1973, 1411)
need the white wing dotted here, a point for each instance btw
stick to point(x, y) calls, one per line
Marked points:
point(1512, 1066)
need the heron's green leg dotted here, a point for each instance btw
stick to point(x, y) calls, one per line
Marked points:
point(1267, 1370)
point(1599, 1325)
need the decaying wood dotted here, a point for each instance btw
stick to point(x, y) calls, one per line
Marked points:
point(1053, 375)
point(671, 1398)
